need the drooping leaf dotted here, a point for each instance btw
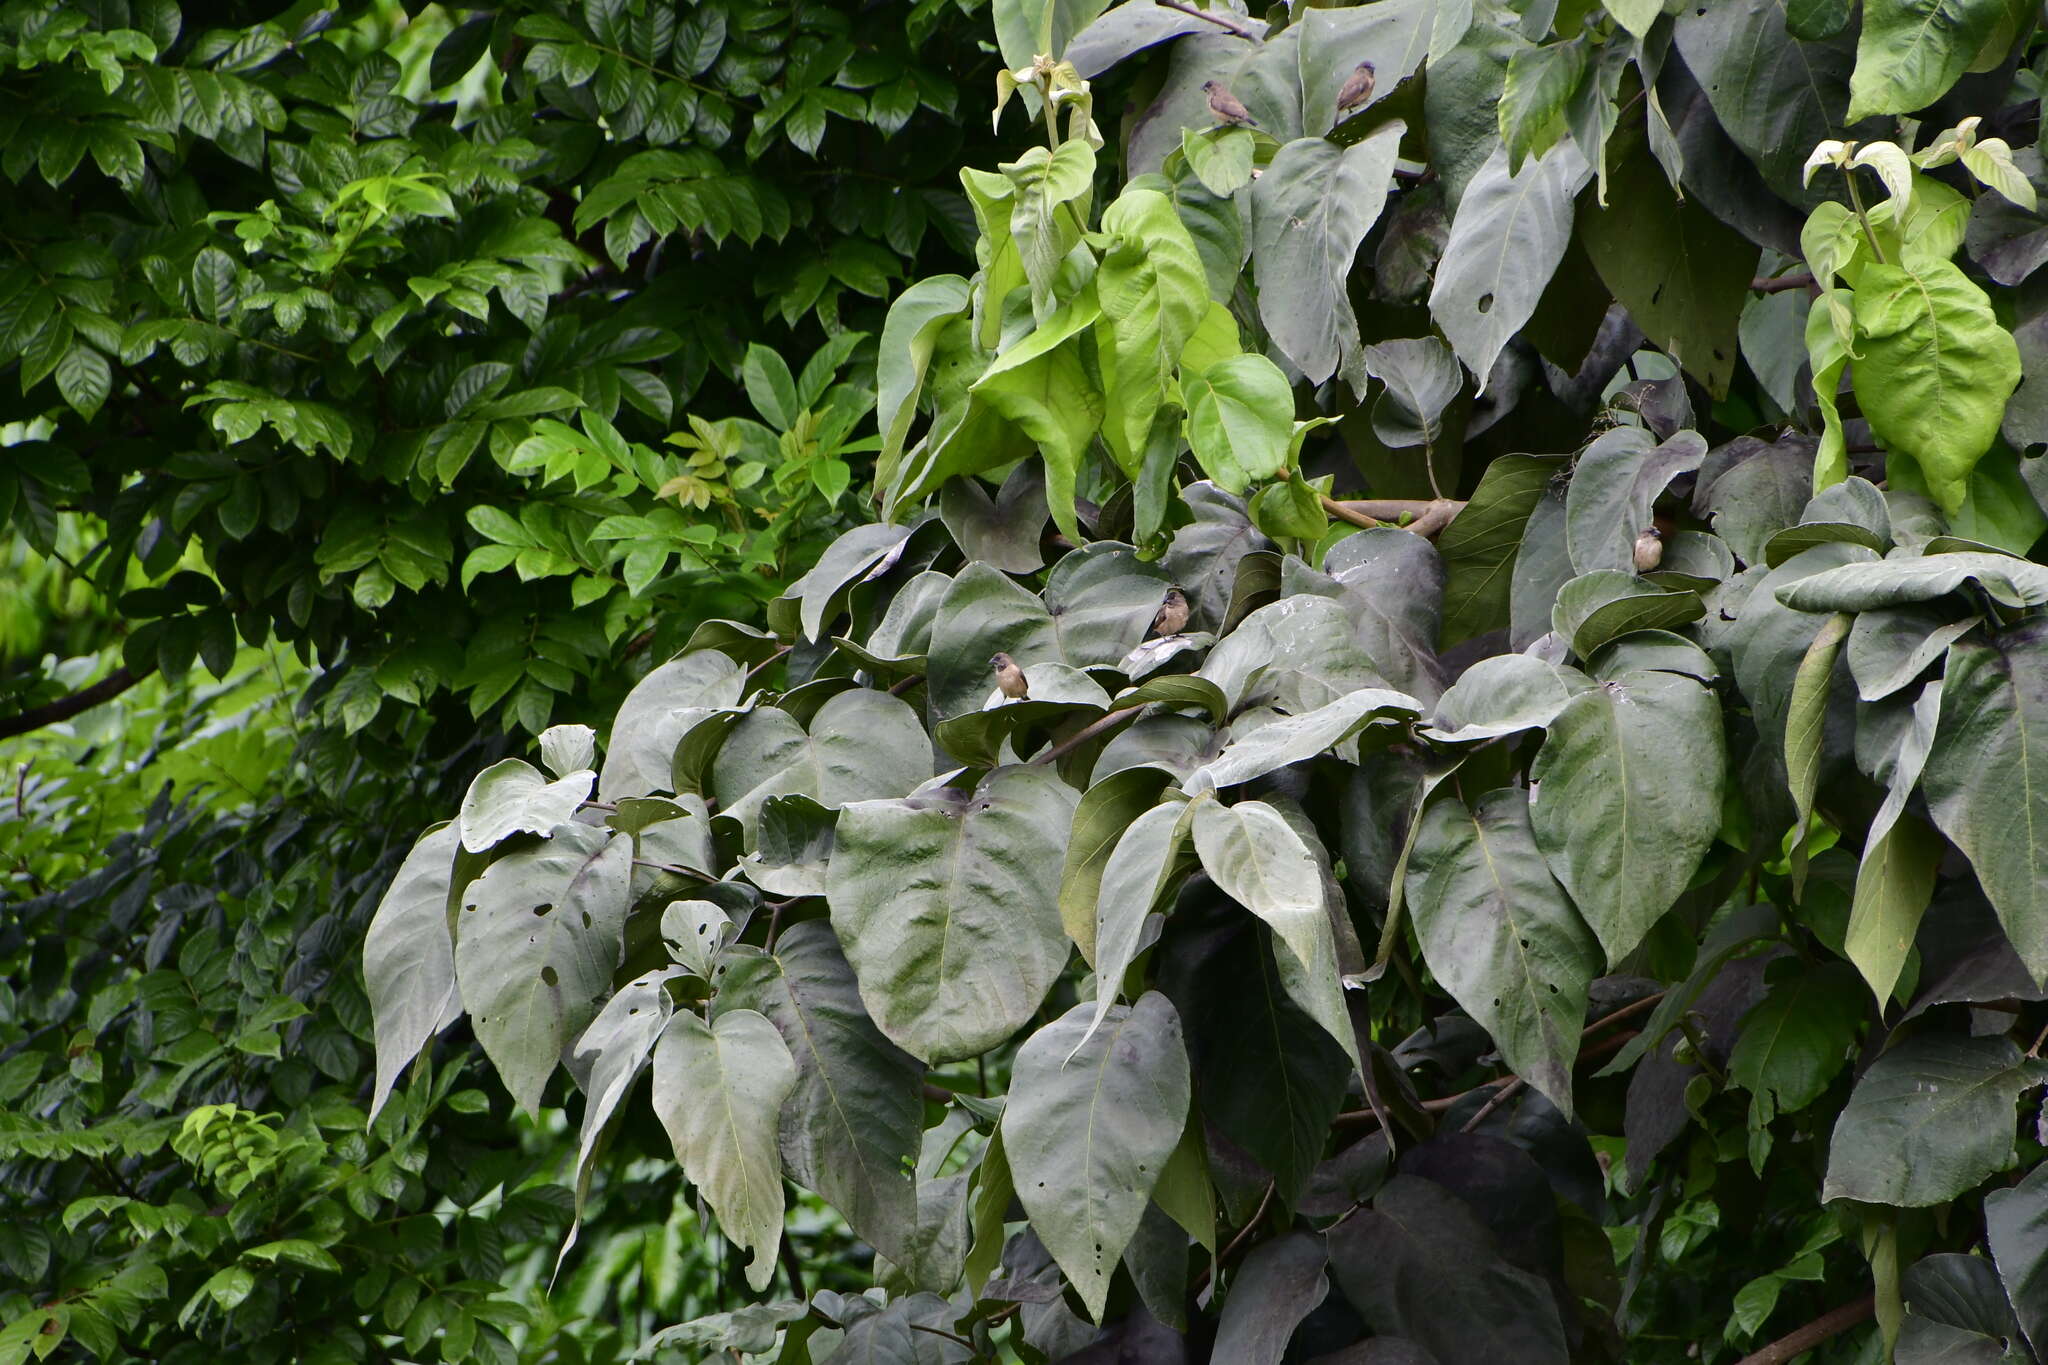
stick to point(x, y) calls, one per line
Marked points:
point(1478, 547)
point(1278, 1285)
point(1627, 799)
point(2016, 1228)
point(538, 938)
point(512, 797)
point(1104, 812)
point(1909, 52)
point(947, 905)
point(654, 716)
point(1934, 370)
point(1805, 731)
point(1146, 867)
point(1153, 294)
point(1257, 859)
point(409, 958)
point(1797, 1038)
point(1895, 880)
point(718, 1090)
point(1088, 1129)
point(1274, 746)
point(1500, 936)
point(1985, 777)
point(1240, 419)
point(851, 1126)
point(1310, 209)
point(1509, 234)
point(862, 743)
point(1930, 1119)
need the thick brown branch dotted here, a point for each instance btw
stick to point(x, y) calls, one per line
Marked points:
point(1798, 279)
point(1222, 21)
point(64, 708)
point(1426, 516)
point(1794, 1343)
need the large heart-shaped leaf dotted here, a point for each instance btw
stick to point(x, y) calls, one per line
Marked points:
point(1627, 799)
point(1987, 777)
point(537, 941)
point(409, 958)
point(719, 1090)
point(1500, 936)
point(862, 743)
point(947, 904)
point(1088, 1129)
point(1930, 1119)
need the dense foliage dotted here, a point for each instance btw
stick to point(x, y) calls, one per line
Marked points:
point(1565, 906)
point(425, 339)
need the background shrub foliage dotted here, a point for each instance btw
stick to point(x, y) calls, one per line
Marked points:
point(1566, 906)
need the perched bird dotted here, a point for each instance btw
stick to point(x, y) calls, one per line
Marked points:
point(1172, 617)
point(1227, 106)
point(1009, 677)
point(1649, 549)
point(1357, 89)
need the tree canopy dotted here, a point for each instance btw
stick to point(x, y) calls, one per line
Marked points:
point(1409, 738)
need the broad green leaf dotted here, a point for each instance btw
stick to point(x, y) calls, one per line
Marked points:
point(409, 958)
point(994, 1189)
point(1390, 584)
point(1898, 582)
point(1153, 295)
point(1272, 747)
point(1986, 780)
point(1105, 811)
point(1615, 482)
point(641, 747)
point(1280, 1283)
point(1775, 95)
point(568, 748)
point(1479, 545)
point(512, 797)
point(1509, 234)
point(1258, 860)
point(1504, 695)
point(1626, 799)
point(538, 938)
point(1635, 15)
point(861, 744)
point(1540, 82)
point(1604, 605)
point(1805, 731)
point(2016, 1229)
point(1150, 861)
point(845, 561)
point(852, 1124)
point(947, 905)
point(1895, 880)
point(1045, 219)
point(719, 1090)
point(1934, 369)
point(1798, 1038)
point(1042, 386)
point(1909, 52)
point(606, 1061)
point(1682, 274)
point(1240, 420)
point(1310, 209)
point(1088, 1129)
point(1005, 530)
point(909, 338)
point(1499, 935)
point(1930, 1119)
point(1220, 157)
point(1025, 28)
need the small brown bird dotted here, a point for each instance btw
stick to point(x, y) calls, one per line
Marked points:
point(1172, 617)
point(1358, 89)
point(1009, 677)
point(1649, 549)
point(1227, 106)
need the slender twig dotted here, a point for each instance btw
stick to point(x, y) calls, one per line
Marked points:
point(1798, 279)
point(1243, 1234)
point(897, 689)
point(64, 708)
point(1222, 21)
point(767, 663)
point(2040, 1038)
point(1425, 516)
point(1797, 1342)
point(1628, 1011)
point(1500, 1097)
point(1084, 734)
point(942, 1332)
